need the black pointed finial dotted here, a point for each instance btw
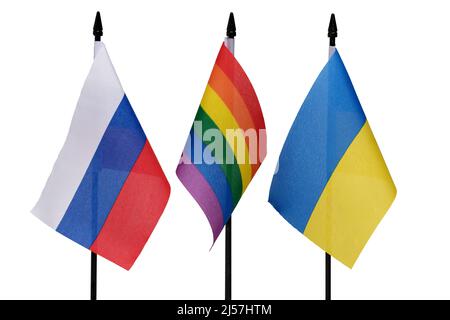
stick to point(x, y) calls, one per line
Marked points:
point(332, 30)
point(231, 27)
point(98, 28)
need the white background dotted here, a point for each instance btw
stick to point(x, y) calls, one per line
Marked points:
point(397, 55)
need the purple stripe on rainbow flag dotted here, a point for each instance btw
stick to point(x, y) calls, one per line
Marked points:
point(199, 188)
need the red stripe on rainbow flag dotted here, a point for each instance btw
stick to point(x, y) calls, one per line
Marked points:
point(231, 67)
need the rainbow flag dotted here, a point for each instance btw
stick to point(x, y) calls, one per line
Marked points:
point(226, 144)
point(332, 183)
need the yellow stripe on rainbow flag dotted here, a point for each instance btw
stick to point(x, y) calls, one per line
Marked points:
point(218, 111)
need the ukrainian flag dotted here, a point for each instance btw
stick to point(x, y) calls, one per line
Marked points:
point(332, 183)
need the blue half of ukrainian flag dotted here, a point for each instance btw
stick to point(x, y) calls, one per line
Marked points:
point(332, 183)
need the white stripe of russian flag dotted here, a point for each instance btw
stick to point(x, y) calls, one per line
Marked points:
point(99, 99)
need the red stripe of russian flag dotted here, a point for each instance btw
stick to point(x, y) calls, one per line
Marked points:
point(135, 212)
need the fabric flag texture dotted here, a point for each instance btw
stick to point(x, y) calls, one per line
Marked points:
point(226, 143)
point(107, 189)
point(332, 183)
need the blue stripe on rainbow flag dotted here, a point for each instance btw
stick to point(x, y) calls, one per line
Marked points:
point(108, 170)
point(213, 174)
point(316, 142)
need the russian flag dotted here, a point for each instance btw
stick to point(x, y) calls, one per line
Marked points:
point(107, 190)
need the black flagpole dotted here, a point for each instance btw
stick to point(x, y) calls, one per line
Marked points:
point(332, 34)
point(231, 33)
point(98, 33)
point(93, 276)
point(327, 277)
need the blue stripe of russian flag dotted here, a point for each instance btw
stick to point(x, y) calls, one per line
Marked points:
point(108, 170)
